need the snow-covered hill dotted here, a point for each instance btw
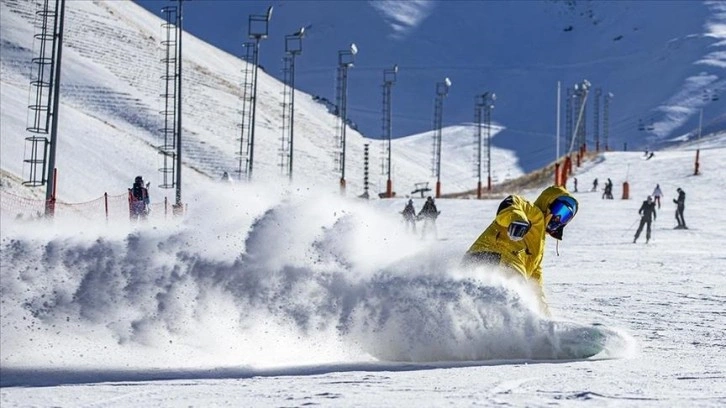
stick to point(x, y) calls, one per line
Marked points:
point(110, 89)
point(658, 58)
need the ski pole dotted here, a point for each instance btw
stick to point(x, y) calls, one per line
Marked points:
point(630, 227)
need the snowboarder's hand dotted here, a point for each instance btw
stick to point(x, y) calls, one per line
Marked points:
point(517, 230)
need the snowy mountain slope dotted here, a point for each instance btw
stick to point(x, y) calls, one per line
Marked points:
point(111, 78)
point(656, 57)
point(458, 144)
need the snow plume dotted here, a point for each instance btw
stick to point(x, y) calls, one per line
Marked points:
point(403, 16)
point(274, 280)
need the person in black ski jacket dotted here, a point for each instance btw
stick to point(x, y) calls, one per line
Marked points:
point(608, 191)
point(428, 213)
point(680, 206)
point(409, 216)
point(139, 200)
point(647, 214)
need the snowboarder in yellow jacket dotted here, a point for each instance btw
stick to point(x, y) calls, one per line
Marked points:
point(516, 237)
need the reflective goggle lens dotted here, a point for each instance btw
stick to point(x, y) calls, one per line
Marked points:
point(563, 210)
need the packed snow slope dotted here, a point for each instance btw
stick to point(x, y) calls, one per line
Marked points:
point(260, 282)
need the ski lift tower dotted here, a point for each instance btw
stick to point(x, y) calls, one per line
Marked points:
point(581, 91)
point(345, 61)
point(484, 106)
point(389, 78)
point(257, 30)
point(709, 95)
point(606, 119)
point(170, 61)
point(178, 208)
point(442, 89)
point(44, 100)
point(171, 146)
point(246, 111)
point(293, 48)
point(596, 119)
point(570, 96)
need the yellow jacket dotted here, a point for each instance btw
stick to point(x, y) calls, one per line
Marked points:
point(524, 256)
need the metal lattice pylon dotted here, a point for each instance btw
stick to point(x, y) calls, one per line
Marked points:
point(169, 95)
point(606, 120)
point(246, 111)
point(43, 89)
point(568, 116)
point(389, 78)
point(339, 124)
point(596, 119)
point(345, 61)
point(436, 140)
point(284, 151)
point(386, 126)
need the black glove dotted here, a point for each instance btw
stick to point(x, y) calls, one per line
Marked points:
point(517, 230)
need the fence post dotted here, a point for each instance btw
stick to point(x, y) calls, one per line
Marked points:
point(105, 201)
point(695, 173)
point(557, 174)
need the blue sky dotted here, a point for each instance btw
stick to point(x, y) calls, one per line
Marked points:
point(643, 52)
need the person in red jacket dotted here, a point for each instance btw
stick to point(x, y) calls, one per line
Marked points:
point(680, 207)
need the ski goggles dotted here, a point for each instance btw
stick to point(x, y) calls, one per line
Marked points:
point(563, 209)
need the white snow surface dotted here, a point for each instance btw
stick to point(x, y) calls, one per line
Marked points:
point(276, 298)
point(267, 294)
